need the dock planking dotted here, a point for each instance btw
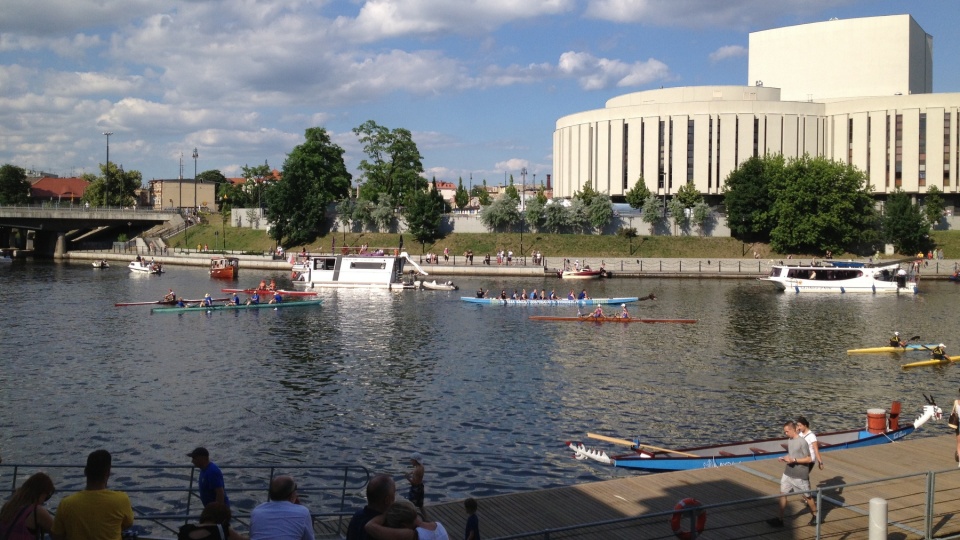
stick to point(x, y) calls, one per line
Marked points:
point(845, 512)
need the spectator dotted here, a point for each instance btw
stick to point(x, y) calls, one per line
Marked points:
point(472, 530)
point(210, 482)
point(214, 525)
point(24, 515)
point(381, 493)
point(282, 517)
point(402, 515)
point(96, 513)
point(415, 477)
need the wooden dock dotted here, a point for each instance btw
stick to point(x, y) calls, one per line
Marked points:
point(845, 512)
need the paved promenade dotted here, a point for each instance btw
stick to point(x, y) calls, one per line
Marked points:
point(457, 266)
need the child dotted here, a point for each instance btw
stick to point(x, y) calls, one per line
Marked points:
point(415, 477)
point(472, 531)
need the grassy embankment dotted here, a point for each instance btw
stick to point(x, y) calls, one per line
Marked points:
point(550, 245)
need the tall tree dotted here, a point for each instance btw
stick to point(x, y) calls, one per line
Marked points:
point(212, 176)
point(255, 181)
point(637, 195)
point(688, 195)
point(314, 175)
point(511, 190)
point(903, 224)
point(424, 214)
point(14, 187)
point(114, 186)
point(749, 200)
point(556, 216)
point(461, 198)
point(600, 211)
point(933, 206)
point(501, 214)
point(481, 194)
point(393, 163)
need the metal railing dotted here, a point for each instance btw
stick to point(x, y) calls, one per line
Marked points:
point(917, 508)
point(165, 496)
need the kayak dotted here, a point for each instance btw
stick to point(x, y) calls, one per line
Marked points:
point(562, 302)
point(587, 318)
point(932, 362)
point(265, 292)
point(165, 302)
point(230, 307)
point(877, 350)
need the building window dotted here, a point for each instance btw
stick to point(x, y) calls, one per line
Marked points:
point(670, 161)
point(898, 152)
point(717, 164)
point(689, 151)
point(710, 154)
point(869, 140)
point(756, 136)
point(661, 145)
point(849, 141)
point(922, 174)
point(889, 150)
point(626, 138)
point(946, 149)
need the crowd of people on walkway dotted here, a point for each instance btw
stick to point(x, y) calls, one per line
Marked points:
point(99, 513)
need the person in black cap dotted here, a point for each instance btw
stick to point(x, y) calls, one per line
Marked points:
point(210, 482)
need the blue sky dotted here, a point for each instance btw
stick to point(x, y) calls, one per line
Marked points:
point(479, 83)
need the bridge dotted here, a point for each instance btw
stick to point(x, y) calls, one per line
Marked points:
point(50, 230)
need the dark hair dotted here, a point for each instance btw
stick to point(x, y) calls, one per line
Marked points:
point(790, 423)
point(98, 465)
point(29, 493)
point(281, 488)
point(379, 488)
point(215, 512)
point(470, 505)
point(803, 420)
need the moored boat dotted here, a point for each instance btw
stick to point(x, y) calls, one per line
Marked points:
point(378, 269)
point(224, 267)
point(434, 286)
point(586, 273)
point(231, 307)
point(847, 277)
point(143, 267)
point(882, 427)
point(102, 263)
point(561, 302)
point(591, 319)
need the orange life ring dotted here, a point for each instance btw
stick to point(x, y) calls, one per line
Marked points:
point(677, 518)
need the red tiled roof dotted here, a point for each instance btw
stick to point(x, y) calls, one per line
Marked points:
point(58, 188)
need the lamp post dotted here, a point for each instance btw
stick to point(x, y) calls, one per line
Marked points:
point(106, 171)
point(223, 221)
point(195, 156)
point(523, 186)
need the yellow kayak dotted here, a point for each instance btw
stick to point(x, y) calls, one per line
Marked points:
point(932, 362)
point(888, 349)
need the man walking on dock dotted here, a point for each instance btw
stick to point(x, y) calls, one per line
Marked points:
point(796, 474)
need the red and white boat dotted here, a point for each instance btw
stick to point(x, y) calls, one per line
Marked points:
point(225, 267)
point(583, 273)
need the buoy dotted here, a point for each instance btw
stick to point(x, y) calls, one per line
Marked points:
point(677, 519)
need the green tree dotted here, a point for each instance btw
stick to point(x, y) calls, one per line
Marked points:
point(481, 194)
point(600, 211)
point(345, 212)
point(820, 205)
point(679, 214)
point(702, 216)
point(212, 176)
point(255, 182)
point(502, 214)
point(314, 175)
point(235, 194)
point(652, 212)
point(114, 186)
point(903, 224)
point(393, 164)
point(535, 213)
point(14, 186)
point(461, 198)
point(688, 195)
point(586, 194)
point(511, 190)
point(556, 216)
point(637, 195)
point(424, 214)
point(579, 217)
point(542, 195)
point(384, 213)
point(749, 199)
point(933, 206)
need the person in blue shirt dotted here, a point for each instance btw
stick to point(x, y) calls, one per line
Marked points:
point(277, 298)
point(181, 303)
point(236, 299)
point(255, 299)
point(207, 301)
point(210, 482)
point(583, 295)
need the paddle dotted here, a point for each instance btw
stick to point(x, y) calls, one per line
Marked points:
point(932, 362)
point(647, 297)
point(637, 445)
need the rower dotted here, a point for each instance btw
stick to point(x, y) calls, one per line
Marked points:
point(273, 285)
point(583, 295)
point(235, 300)
point(277, 298)
point(598, 313)
point(939, 352)
point(254, 299)
point(263, 285)
point(624, 314)
point(170, 296)
point(181, 303)
point(895, 341)
point(207, 301)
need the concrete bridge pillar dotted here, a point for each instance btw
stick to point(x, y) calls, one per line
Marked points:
point(60, 250)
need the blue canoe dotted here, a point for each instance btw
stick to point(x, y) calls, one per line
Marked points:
point(563, 302)
point(649, 458)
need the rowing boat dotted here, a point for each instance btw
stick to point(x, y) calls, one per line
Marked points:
point(268, 292)
point(877, 350)
point(588, 318)
point(932, 362)
point(650, 458)
point(231, 307)
point(562, 302)
point(165, 302)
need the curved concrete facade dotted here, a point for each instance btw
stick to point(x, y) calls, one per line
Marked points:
point(698, 135)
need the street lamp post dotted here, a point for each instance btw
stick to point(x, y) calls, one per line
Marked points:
point(195, 156)
point(523, 185)
point(106, 171)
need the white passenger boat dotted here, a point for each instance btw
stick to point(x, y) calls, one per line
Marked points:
point(143, 267)
point(377, 270)
point(847, 277)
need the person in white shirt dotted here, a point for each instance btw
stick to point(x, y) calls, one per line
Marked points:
point(803, 429)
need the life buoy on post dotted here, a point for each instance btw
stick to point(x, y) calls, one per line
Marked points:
point(676, 521)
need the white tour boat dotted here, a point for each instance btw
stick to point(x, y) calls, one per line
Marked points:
point(144, 267)
point(847, 277)
point(376, 269)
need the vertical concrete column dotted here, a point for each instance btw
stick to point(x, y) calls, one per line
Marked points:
point(61, 248)
point(878, 519)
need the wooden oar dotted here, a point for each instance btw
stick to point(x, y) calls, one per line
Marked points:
point(633, 444)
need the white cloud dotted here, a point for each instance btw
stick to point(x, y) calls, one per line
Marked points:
point(513, 164)
point(739, 14)
point(598, 73)
point(728, 51)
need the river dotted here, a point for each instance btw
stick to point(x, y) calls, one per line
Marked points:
point(486, 395)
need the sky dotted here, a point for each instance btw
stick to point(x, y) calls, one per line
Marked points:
point(479, 83)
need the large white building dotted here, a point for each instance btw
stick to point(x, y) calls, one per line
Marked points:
point(856, 91)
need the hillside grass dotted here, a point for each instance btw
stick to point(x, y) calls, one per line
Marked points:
point(550, 245)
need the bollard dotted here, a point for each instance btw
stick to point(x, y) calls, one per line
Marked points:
point(878, 519)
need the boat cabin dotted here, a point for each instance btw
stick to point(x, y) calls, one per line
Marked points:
point(225, 267)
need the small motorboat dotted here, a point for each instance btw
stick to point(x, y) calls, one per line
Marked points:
point(434, 286)
point(144, 267)
point(102, 263)
point(225, 267)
